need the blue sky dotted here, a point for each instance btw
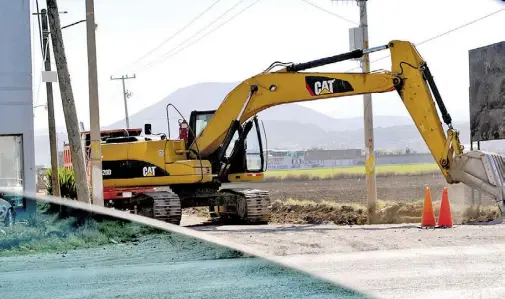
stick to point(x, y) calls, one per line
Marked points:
point(286, 30)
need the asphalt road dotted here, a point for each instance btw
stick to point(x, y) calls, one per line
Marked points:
point(160, 267)
point(390, 261)
point(385, 261)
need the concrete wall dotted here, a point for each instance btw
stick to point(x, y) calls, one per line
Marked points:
point(404, 159)
point(16, 98)
point(301, 162)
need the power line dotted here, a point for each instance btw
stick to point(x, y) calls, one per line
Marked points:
point(330, 12)
point(442, 34)
point(164, 56)
point(168, 54)
point(460, 27)
point(219, 26)
point(176, 33)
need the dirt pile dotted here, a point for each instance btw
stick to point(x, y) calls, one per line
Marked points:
point(301, 212)
point(306, 212)
point(388, 212)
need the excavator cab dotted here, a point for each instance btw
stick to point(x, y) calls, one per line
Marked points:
point(240, 156)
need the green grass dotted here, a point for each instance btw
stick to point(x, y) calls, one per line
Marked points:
point(52, 232)
point(350, 172)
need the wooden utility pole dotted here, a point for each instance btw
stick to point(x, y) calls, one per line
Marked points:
point(361, 33)
point(94, 109)
point(368, 121)
point(46, 54)
point(67, 98)
point(126, 95)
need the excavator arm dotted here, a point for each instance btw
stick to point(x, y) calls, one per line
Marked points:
point(409, 76)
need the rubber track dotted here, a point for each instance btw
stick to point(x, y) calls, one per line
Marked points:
point(167, 207)
point(257, 203)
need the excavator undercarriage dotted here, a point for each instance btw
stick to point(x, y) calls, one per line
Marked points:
point(230, 205)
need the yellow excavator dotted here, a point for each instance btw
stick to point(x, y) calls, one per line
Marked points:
point(190, 170)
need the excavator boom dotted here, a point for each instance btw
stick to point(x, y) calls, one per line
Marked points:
point(409, 76)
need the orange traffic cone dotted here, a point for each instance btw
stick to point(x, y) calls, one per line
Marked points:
point(428, 218)
point(444, 217)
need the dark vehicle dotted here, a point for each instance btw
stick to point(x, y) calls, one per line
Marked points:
point(7, 213)
point(11, 198)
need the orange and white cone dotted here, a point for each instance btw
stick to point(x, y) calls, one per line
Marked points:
point(428, 217)
point(445, 217)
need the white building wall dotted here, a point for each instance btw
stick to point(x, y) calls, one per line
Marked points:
point(16, 97)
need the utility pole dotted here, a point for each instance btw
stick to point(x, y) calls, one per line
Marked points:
point(125, 96)
point(46, 55)
point(368, 120)
point(67, 98)
point(94, 110)
point(358, 38)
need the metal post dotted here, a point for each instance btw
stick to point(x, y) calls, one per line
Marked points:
point(94, 111)
point(50, 107)
point(368, 121)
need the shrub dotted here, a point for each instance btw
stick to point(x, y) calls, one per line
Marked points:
point(67, 183)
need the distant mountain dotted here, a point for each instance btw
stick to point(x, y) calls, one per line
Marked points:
point(208, 96)
point(289, 126)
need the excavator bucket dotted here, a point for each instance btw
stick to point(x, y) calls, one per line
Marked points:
point(482, 170)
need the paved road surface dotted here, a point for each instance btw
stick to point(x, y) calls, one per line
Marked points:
point(162, 267)
point(395, 261)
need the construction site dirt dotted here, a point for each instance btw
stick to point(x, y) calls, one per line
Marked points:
point(343, 201)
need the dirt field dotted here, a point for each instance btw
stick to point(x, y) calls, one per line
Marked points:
point(394, 188)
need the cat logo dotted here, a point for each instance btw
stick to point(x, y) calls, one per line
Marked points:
point(148, 170)
point(318, 85)
point(324, 87)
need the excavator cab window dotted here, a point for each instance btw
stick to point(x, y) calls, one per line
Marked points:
point(254, 150)
point(248, 151)
point(198, 120)
point(201, 122)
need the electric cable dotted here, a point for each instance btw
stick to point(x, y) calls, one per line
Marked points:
point(173, 35)
point(330, 12)
point(170, 53)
